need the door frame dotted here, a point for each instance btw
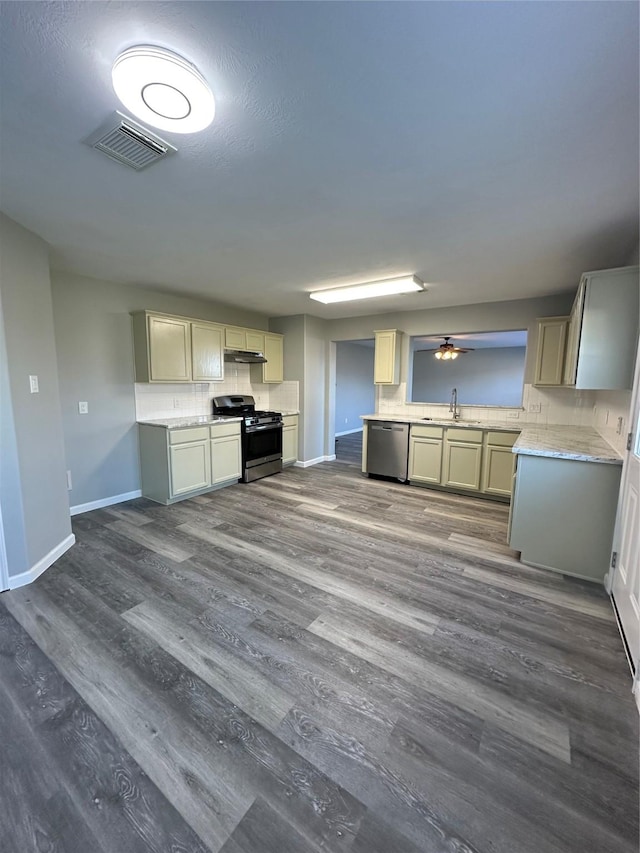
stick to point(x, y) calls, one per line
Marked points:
point(4, 563)
point(633, 427)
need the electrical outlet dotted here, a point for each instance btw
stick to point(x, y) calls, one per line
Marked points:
point(83, 408)
point(69, 484)
point(176, 402)
point(535, 407)
point(33, 384)
point(513, 415)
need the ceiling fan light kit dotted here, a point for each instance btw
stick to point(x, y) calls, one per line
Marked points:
point(163, 89)
point(447, 351)
point(369, 289)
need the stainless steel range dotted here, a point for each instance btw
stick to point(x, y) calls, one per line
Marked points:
point(261, 435)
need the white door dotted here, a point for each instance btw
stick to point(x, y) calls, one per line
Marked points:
point(625, 586)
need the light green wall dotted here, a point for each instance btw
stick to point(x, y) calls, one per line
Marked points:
point(95, 364)
point(33, 456)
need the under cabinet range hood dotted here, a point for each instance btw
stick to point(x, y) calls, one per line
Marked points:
point(244, 357)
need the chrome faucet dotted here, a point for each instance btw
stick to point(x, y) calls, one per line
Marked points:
point(453, 405)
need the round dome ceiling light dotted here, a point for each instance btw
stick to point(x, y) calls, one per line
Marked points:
point(163, 89)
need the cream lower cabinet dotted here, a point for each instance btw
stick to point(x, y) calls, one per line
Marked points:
point(425, 454)
point(178, 463)
point(189, 465)
point(563, 514)
point(289, 439)
point(498, 463)
point(226, 453)
point(462, 460)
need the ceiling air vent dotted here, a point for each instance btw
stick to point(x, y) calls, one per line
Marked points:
point(129, 143)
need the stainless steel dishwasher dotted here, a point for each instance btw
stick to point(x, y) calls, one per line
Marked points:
point(388, 449)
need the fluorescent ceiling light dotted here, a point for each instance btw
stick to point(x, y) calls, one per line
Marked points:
point(163, 89)
point(387, 287)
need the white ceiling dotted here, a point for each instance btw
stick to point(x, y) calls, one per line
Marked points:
point(490, 148)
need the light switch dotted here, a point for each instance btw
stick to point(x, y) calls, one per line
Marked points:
point(33, 384)
point(83, 408)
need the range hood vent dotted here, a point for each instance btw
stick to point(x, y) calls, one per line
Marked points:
point(244, 357)
point(129, 143)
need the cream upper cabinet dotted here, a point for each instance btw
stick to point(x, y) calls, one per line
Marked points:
point(462, 458)
point(386, 367)
point(273, 370)
point(425, 454)
point(289, 439)
point(573, 338)
point(207, 345)
point(235, 338)
point(607, 329)
point(162, 348)
point(550, 352)
point(254, 340)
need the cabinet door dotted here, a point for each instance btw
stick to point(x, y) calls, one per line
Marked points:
point(289, 444)
point(609, 334)
point(190, 467)
point(462, 465)
point(552, 335)
point(226, 459)
point(573, 337)
point(425, 460)
point(386, 365)
point(273, 370)
point(254, 341)
point(498, 470)
point(169, 349)
point(206, 352)
point(235, 338)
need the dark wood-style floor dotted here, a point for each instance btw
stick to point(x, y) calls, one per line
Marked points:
point(312, 662)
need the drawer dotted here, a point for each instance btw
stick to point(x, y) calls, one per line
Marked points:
point(470, 436)
point(420, 431)
point(502, 439)
point(290, 420)
point(181, 436)
point(220, 430)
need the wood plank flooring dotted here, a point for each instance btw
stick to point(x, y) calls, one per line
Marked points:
point(312, 662)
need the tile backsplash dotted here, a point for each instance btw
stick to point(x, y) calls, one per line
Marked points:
point(181, 400)
point(539, 406)
point(611, 417)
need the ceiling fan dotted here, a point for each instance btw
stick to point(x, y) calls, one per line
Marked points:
point(447, 350)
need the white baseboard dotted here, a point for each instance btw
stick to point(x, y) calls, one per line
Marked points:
point(35, 571)
point(348, 431)
point(114, 499)
point(315, 461)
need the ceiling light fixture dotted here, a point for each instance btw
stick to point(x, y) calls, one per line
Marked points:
point(386, 287)
point(447, 351)
point(163, 89)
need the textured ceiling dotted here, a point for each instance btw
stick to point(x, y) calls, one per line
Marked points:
point(490, 148)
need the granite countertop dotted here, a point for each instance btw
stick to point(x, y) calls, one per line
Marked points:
point(193, 420)
point(583, 444)
point(510, 426)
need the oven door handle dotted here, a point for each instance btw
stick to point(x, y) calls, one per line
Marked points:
point(262, 428)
